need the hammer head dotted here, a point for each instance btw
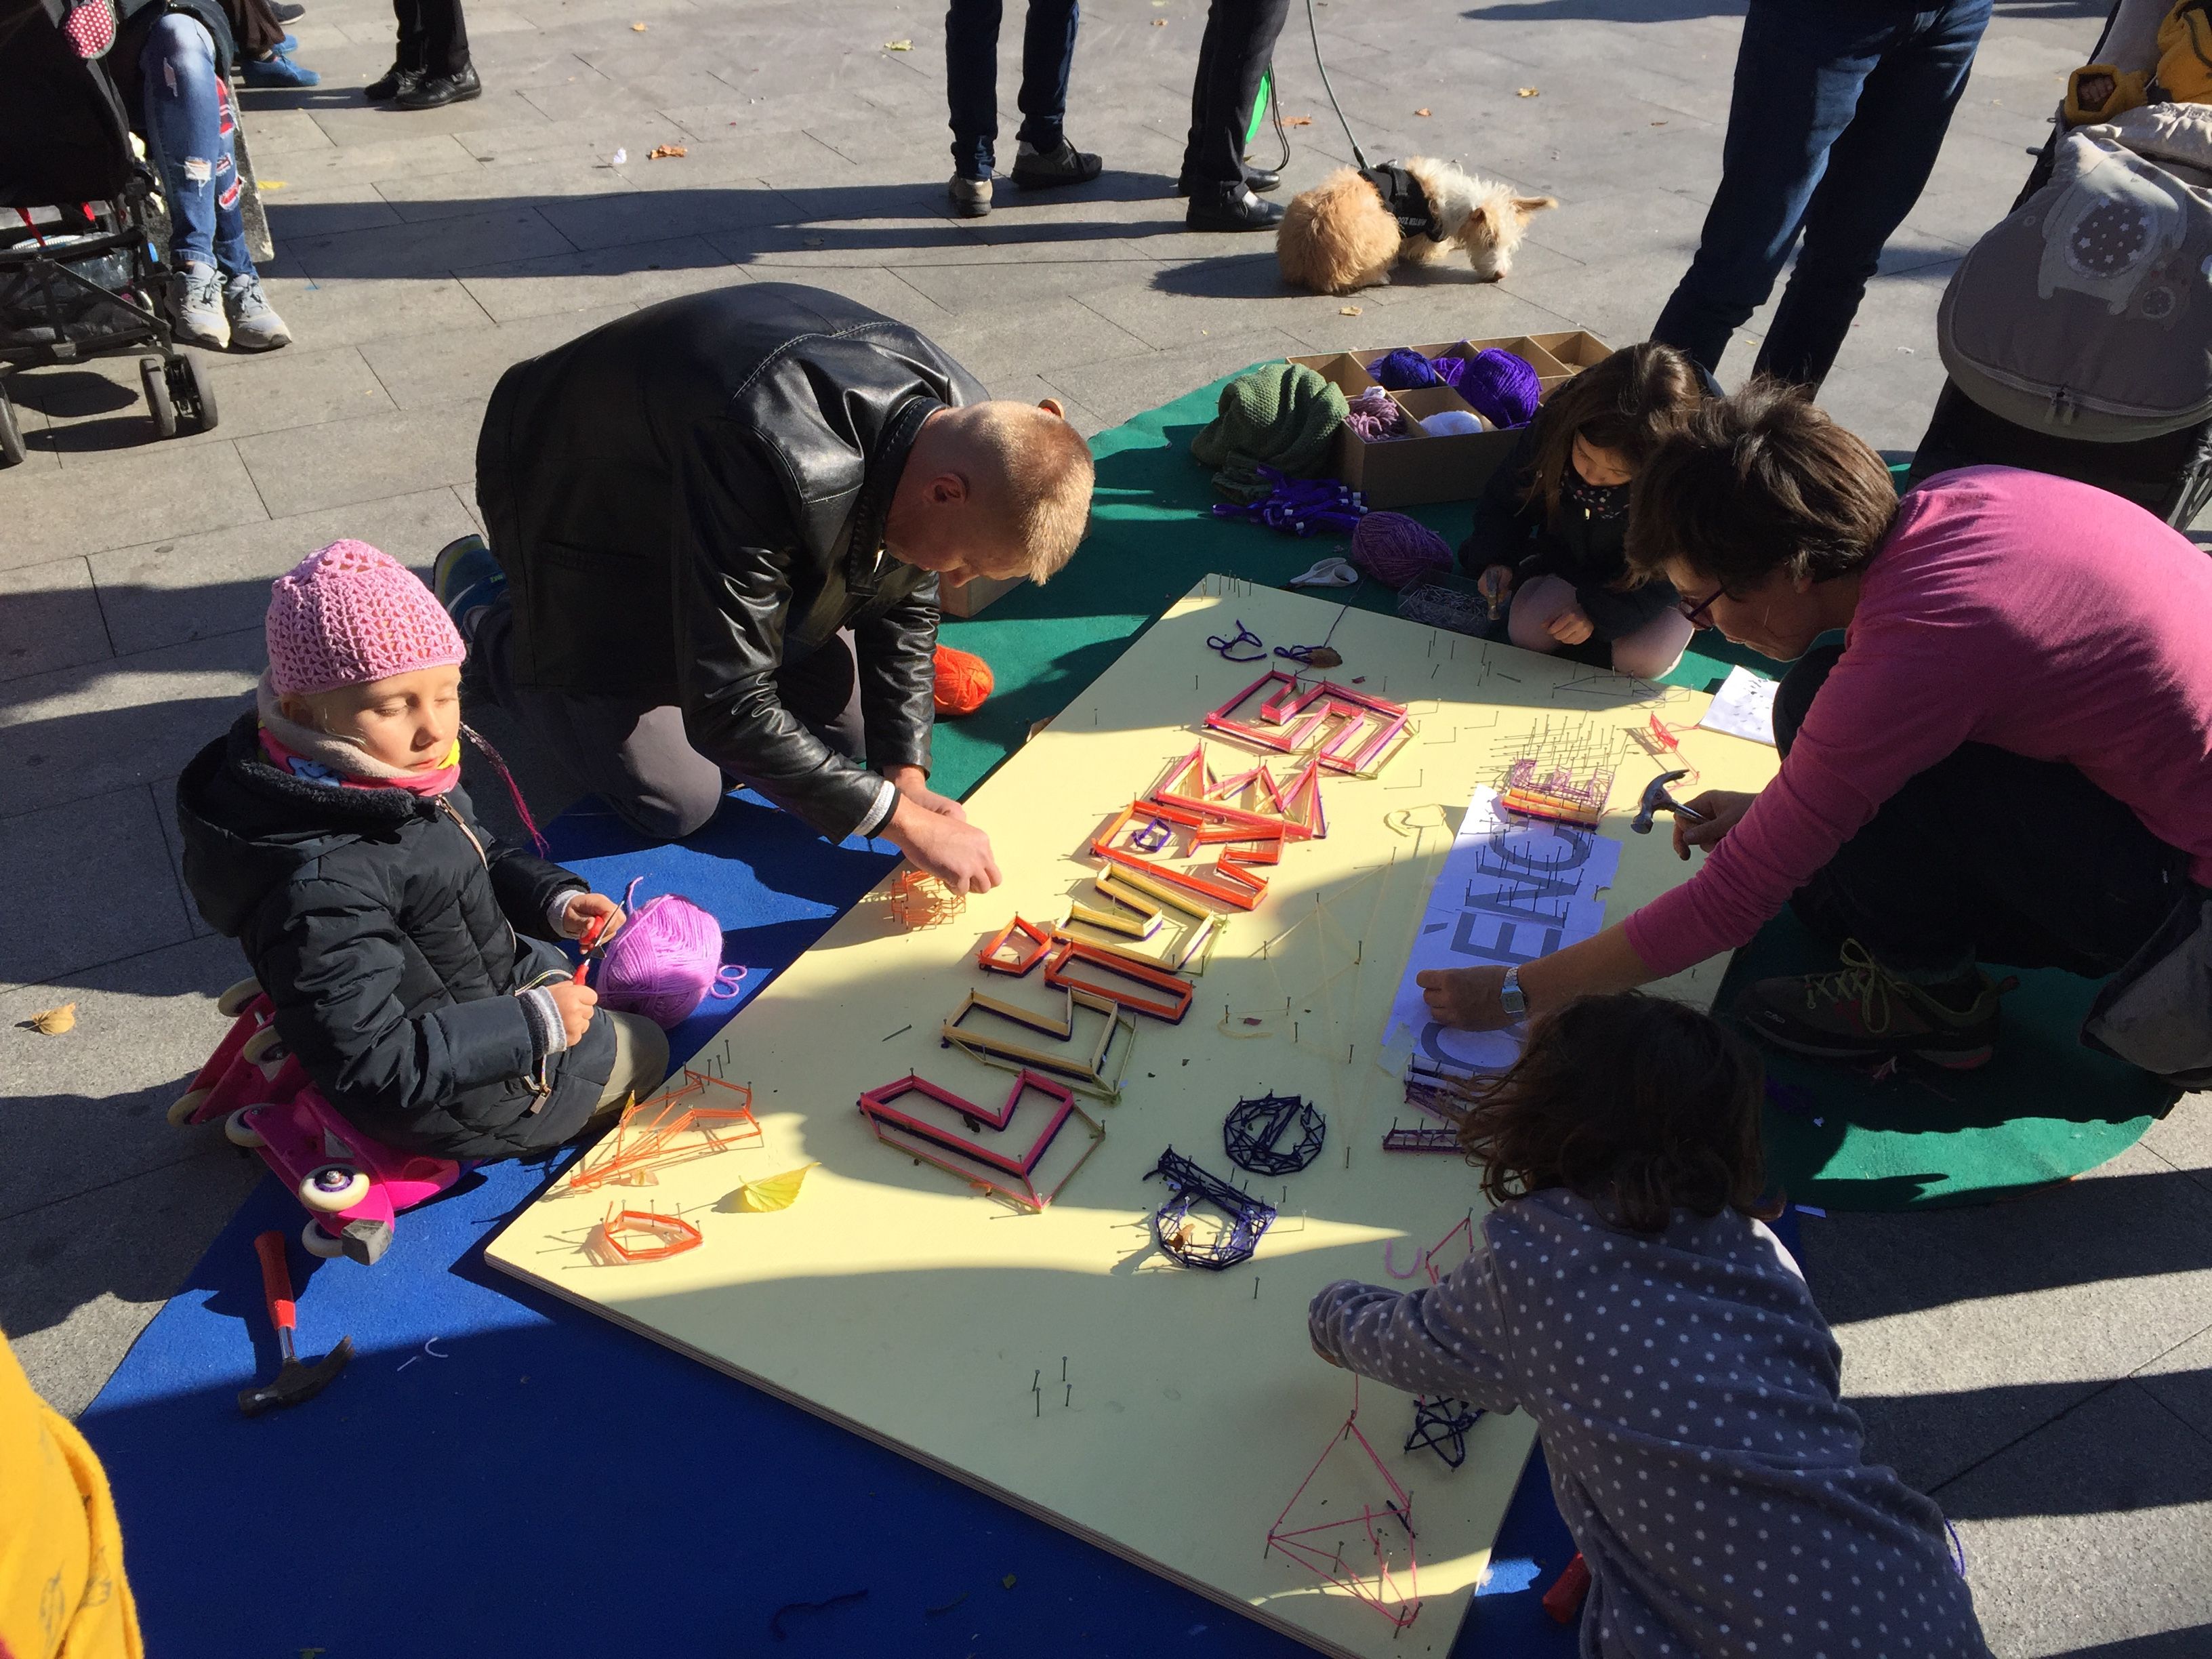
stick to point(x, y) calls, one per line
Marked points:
point(1656, 800)
point(299, 1380)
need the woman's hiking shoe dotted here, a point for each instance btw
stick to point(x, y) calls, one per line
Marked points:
point(970, 197)
point(195, 310)
point(1863, 1011)
point(1064, 164)
point(254, 323)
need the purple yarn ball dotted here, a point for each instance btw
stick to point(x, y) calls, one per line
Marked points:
point(1404, 370)
point(1395, 549)
point(662, 963)
point(1376, 416)
point(1502, 387)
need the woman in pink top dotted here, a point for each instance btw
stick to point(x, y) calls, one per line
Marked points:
point(2007, 760)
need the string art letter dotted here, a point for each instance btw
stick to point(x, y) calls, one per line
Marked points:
point(1253, 1134)
point(1441, 1425)
point(1356, 1542)
point(1244, 1217)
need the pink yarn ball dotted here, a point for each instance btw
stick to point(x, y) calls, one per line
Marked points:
point(664, 962)
point(1395, 549)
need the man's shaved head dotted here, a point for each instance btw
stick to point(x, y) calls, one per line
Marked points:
point(1000, 488)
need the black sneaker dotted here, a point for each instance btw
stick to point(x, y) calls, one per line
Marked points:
point(394, 83)
point(1035, 170)
point(1231, 207)
point(1863, 1011)
point(436, 91)
point(1259, 180)
point(289, 14)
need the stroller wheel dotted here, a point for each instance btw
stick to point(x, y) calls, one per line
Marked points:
point(181, 1110)
point(239, 1130)
point(330, 1188)
point(231, 1003)
point(153, 373)
point(319, 1244)
point(192, 391)
point(11, 437)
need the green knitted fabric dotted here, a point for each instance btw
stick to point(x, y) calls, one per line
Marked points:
point(1282, 415)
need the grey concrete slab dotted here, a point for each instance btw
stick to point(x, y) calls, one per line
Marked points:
point(983, 290)
point(328, 165)
point(434, 248)
point(639, 273)
point(364, 459)
point(1116, 391)
point(80, 733)
point(141, 494)
point(50, 618)
point(2183, 1137)
point(1034, 339)
point(350, 311)
point(632, 215)
point(455, 195)
point(52, 925)
point(81, 1277)
point(2180, 1380)
point(86, 1108)
point(2095, 1530)
point(190, 587)
point(1964, 1329)
point(421, 370)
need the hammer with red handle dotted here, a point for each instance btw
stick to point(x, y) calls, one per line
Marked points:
point(296, 1381)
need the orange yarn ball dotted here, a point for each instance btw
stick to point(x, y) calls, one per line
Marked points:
point(964, 681)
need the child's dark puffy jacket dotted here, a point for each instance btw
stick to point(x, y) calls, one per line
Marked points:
point(388, 930)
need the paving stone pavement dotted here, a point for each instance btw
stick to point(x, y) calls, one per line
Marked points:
point(2045, 1367)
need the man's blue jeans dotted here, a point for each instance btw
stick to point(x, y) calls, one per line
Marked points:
point(971, 77)
point(189, 125)
point(1839, 109)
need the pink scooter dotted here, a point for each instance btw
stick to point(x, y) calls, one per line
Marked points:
point(353, 1186)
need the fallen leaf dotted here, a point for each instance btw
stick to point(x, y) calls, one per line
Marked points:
point(637, 28)
point(1159, 22)
point(1347, 311)
point(1527, 91)
point(898, 45)
point(268, 184)
point(772, 1192)
point(666, 153)
point(1297, 120)
point(52, 1022)
point(1008, 1580)
point(1658, 123)
point(1420, 112)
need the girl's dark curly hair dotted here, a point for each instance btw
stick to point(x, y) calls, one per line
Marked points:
point(1641, 1105)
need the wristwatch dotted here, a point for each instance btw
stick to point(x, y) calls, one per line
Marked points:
point(1510, 996)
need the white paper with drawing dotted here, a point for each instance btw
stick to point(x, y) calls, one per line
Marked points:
point(1743, 706)
point(1509, 891)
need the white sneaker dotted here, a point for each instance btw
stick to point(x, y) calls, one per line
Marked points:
point(254, 323)
point(196, 306)
point(971, 197)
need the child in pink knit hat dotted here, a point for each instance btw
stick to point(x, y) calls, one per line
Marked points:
point(409, 955)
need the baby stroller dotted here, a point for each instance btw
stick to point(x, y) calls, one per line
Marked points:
point(79, 277)
point(2078, 331)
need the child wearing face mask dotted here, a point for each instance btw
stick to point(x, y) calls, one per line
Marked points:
point(1550, 527)
point(408, 954)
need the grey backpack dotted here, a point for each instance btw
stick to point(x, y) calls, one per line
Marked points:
point(2086, 312)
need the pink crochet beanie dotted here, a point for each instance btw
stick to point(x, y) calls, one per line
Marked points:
point(350, 614)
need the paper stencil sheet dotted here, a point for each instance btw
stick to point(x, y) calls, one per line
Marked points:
point(1060, 1360)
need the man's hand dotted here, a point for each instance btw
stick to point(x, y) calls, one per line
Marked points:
point(943, 844)
point(1465, 999)
point(1570, 627)
point(583, 909)
point(913, 783)
point(1724, 809)
point(575, 1003)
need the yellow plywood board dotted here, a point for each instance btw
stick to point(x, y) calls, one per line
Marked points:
point(938, 1321)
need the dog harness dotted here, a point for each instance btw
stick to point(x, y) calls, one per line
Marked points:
point(1408, 202)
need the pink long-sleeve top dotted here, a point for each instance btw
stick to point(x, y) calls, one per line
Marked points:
point(2008, 608)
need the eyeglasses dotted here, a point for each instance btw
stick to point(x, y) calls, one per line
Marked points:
point(1700, 612)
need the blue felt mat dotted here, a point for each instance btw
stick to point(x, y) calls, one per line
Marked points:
point(500, 1473)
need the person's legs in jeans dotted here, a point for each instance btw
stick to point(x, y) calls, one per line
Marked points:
point(971, 83)
point(1798, 78)
point(1048, 59)
point(1876, 171)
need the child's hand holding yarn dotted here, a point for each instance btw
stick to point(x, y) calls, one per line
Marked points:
point(1570, 627)
point(586, 908)
point(575, 1003)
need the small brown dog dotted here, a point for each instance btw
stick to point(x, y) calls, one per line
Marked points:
point(1349, 230)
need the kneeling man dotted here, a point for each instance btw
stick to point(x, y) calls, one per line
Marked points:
point(691, 507)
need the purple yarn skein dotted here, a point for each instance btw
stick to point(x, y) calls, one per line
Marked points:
point(1502, 387)
point(1404, 370)
point(662, 963)
point(1375, 415)
point(1395, 549)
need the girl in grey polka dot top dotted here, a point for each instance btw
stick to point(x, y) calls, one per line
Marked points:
point(1685, 1386)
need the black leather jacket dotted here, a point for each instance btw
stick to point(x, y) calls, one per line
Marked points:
point(687, 498)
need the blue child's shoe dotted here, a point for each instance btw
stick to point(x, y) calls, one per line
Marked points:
point(287, 45)
point(278, 70)
point(466, 580)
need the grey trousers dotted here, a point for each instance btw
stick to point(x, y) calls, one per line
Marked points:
point(633, 755)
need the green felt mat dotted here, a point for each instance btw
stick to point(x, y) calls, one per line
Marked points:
point(2045, 1109)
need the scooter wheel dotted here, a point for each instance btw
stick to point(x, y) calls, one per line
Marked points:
point(241, 1132)
point(330, 1188)
point(263, 1044)
point(320, 1244)
point(231, 1003)
point(180, 1113)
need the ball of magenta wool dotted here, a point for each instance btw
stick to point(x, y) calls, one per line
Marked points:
point(1376, 416)
point(1501, 386)
point(1404, 370)
point(1395, 549)
point(662, 963)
